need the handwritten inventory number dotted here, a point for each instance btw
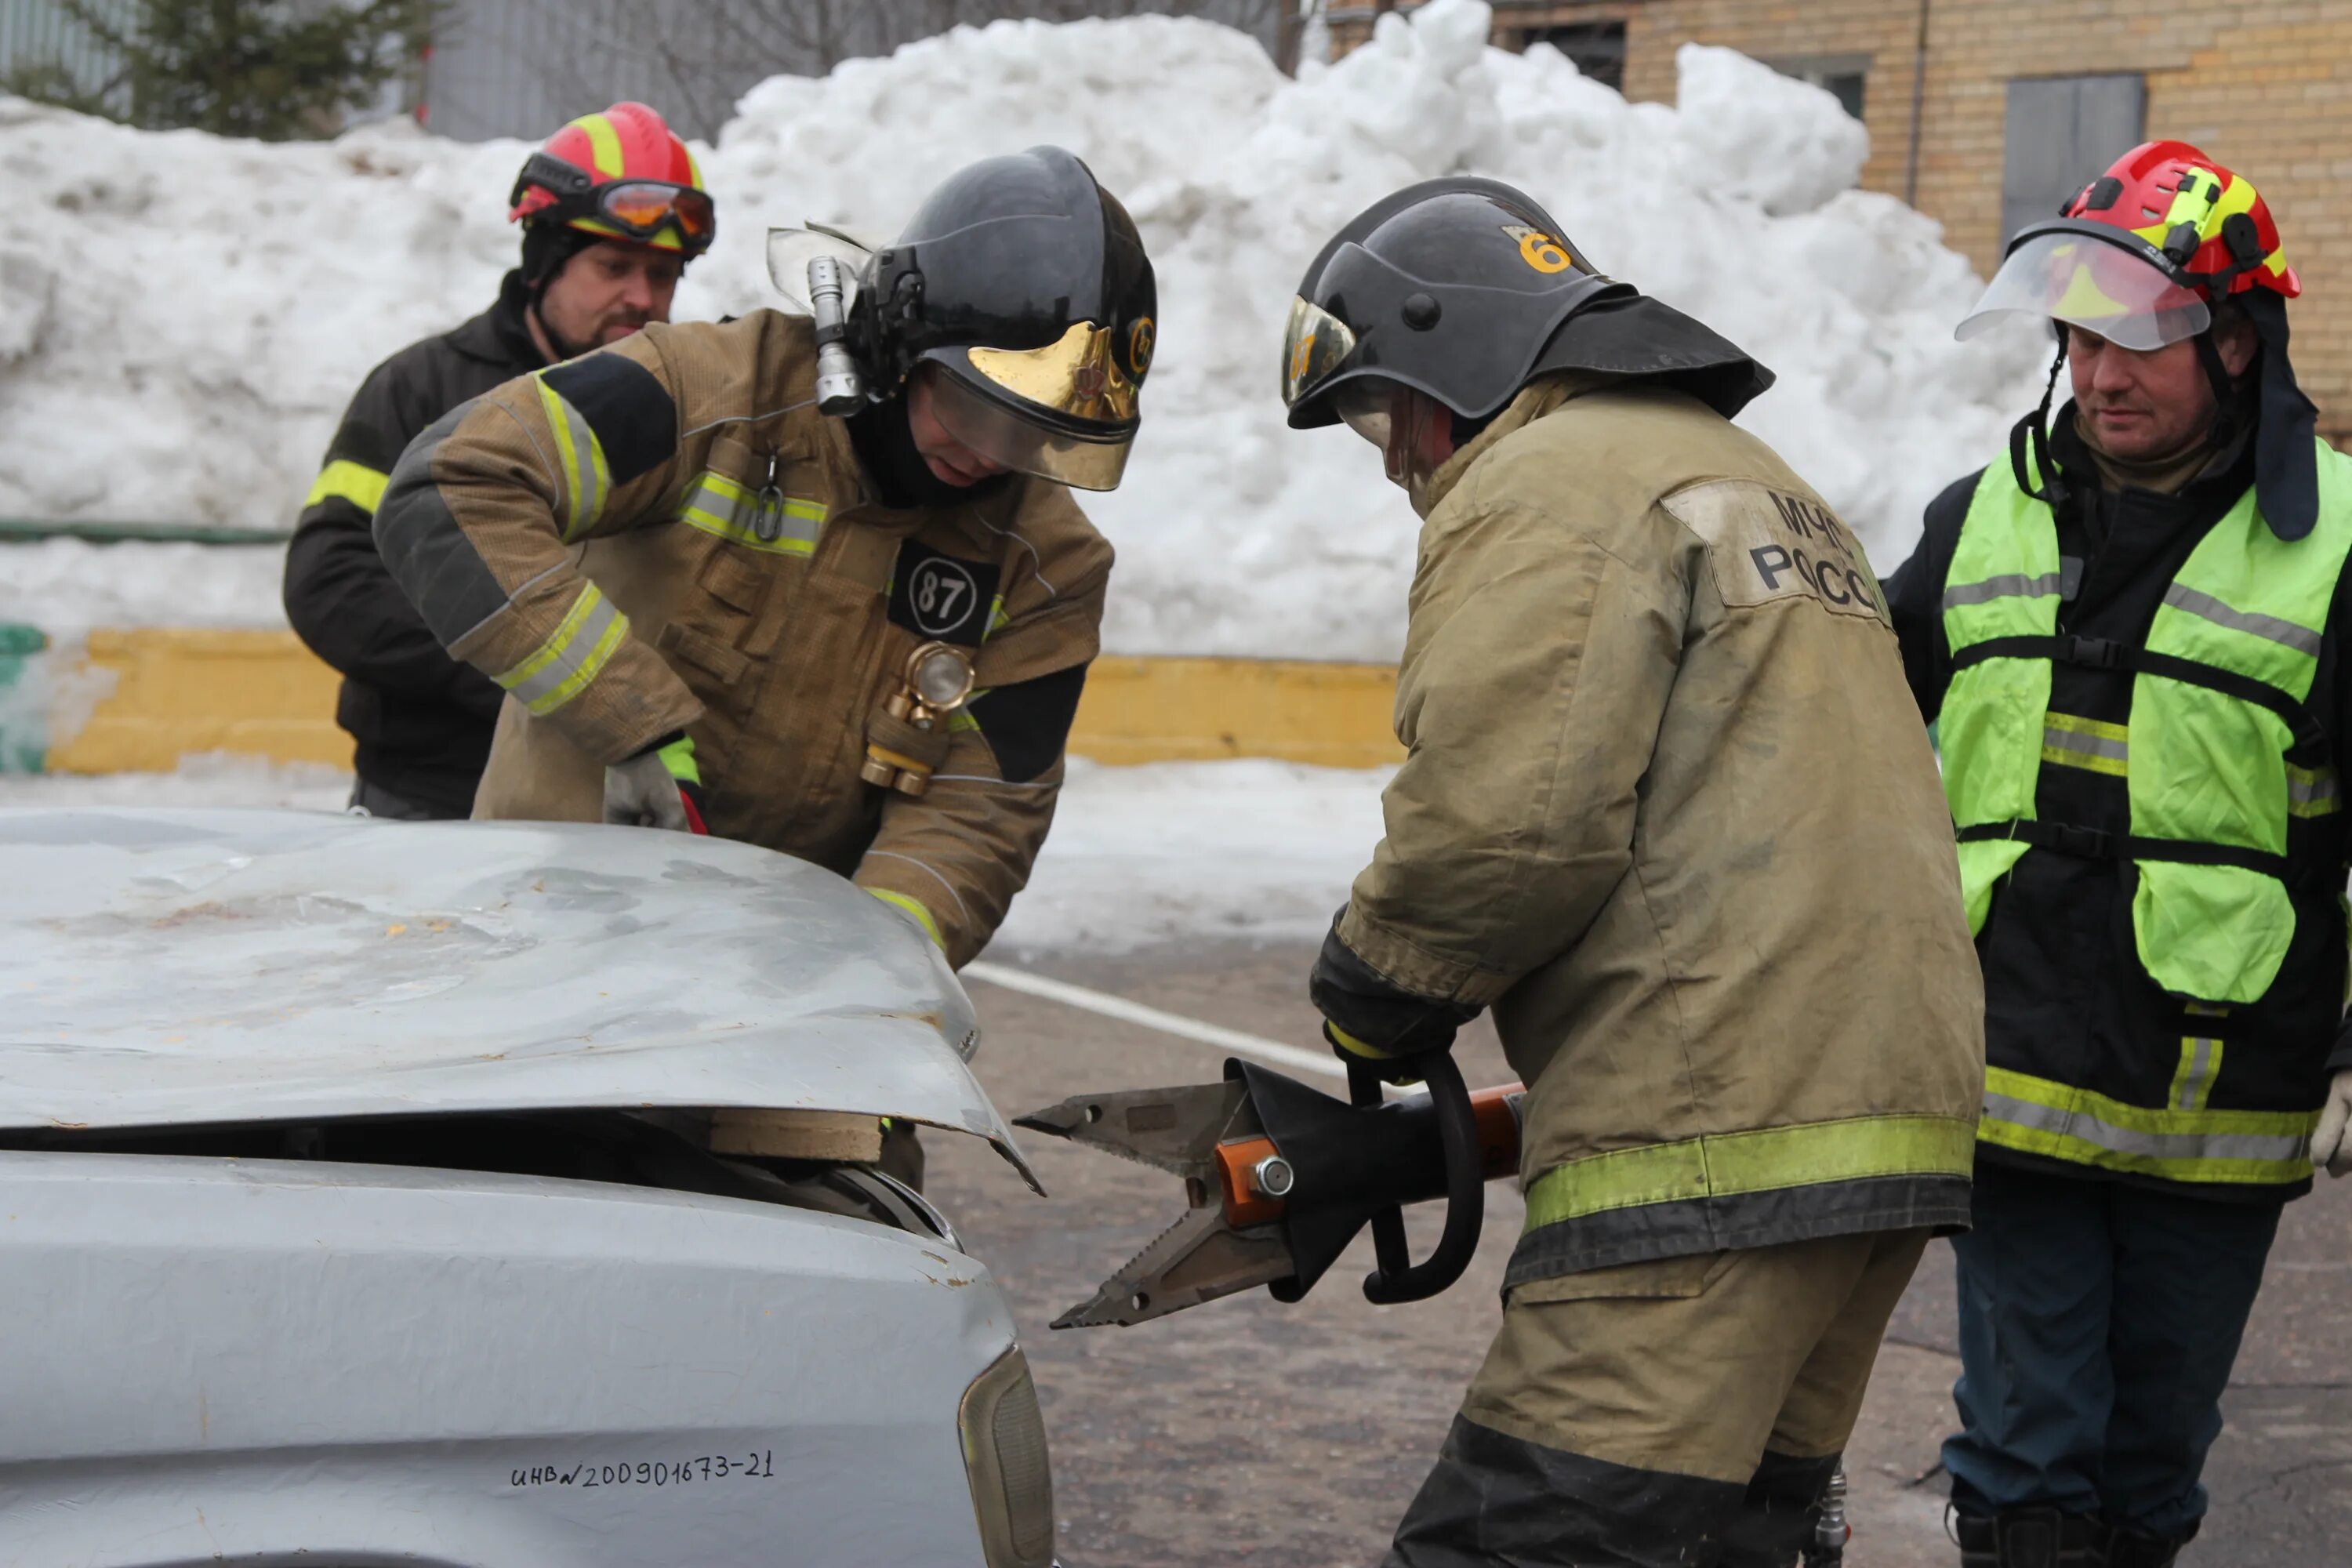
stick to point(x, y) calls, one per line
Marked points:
point(759, 1464)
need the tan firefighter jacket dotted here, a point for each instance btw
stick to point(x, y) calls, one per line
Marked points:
point(1669, 809)
point(666, 535)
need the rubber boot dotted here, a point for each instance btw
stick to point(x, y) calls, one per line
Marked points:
point(2137, 1548)
point(2030, 1538)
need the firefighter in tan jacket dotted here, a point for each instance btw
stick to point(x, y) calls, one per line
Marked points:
point(1669, 811)
point(860, 640)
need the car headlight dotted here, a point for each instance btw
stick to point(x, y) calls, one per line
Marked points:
point(1005, 1455)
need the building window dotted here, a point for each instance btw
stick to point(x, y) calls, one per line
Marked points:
point(1598, 48)
point(1843, 77)
point(2063, 131)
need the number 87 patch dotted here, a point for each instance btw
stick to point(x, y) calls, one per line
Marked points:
point(939, 597)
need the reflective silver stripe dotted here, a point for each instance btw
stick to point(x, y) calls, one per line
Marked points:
point(585, 478)
point(782, 525)
point(2089, 745)
point(2177, 1146)
point(2009, 585)
point(562, 666)
point(2198, 1073)
point(2313, 794)
point(2270, 628)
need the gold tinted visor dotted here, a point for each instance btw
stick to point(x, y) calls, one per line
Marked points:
point(1077, 377)
point(1315, 344)
point(992, 430)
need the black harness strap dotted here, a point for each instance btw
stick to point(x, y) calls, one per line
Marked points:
point(2104, 653)
point(2097, 844)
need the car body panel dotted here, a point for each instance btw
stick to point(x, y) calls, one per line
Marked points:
point(248, 1360)
point(186, 967)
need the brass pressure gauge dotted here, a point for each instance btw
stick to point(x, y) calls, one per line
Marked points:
point(937, 683)
point(940, 675)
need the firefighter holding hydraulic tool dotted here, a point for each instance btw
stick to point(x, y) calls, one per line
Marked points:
point(1667, 811)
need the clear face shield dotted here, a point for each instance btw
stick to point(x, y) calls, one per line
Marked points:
point(1403, 423)
point(2102, 287)
point(992, 430)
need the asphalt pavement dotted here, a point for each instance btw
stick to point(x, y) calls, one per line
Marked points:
point(1245, 1433)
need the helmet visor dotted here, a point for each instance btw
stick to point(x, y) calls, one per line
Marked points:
point(1077, 377)
point(2098, 285)
point(992, 430)
point(1315, 344)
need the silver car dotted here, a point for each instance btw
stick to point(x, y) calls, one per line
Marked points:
point(483, 1195)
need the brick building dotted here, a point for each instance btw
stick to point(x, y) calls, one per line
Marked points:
point(1987, 113)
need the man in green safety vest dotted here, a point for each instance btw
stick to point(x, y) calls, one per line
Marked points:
point(2130, 632)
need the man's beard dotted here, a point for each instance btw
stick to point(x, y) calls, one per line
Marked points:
point(568, 348)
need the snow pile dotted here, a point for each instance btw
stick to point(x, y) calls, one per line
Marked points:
point(185, 317)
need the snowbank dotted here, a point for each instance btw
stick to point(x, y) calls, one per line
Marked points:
point(185, 317)
point(1252, 850)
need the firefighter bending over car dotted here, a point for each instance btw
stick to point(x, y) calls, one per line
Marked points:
point(612, 210)
point(857, 640)
point(1668, 810)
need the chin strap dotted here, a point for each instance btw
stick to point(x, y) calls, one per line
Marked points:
point(2031, 437)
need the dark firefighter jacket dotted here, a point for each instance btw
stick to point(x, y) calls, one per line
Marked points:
point(420, 720)
point(2157, 1088)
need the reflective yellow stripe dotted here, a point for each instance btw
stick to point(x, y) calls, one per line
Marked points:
point(718, 505)
point(343, 479)
point(2092, 743)
point(2313, 792)
point(2192, 1081)
point(997, 619)
point(922, 916)
point(1726, 1164)
point(603, 145)
point(586, 478)
point(2060, 1121)
point(561, 668)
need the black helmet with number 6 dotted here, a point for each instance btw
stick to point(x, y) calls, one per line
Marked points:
point(1463, 288)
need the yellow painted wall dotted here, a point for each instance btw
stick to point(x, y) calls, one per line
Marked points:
point(262, 693)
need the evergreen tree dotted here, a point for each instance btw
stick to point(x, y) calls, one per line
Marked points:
point(275, 69)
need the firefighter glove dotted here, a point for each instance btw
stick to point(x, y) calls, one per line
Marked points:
point(2329, 1145)
point(661, 786)
point(1368, 1017)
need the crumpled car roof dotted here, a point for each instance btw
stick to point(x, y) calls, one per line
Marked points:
point(182, 967)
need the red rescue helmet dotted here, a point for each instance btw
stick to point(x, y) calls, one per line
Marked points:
point(2144, 252)
point(2142, 257)
point(622, 174)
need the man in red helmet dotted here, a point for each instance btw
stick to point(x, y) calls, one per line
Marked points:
point(612, 207)
point(2130, 632)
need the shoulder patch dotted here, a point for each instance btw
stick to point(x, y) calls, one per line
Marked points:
point(631, 413)
point(939, 596)
point(1766, 545)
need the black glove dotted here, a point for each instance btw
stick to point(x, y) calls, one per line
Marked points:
point(1368, 1017)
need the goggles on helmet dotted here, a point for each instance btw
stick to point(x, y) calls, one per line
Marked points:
point(1315, 343)
point(2098, 278)
point(1032, 442)
point(637, 209)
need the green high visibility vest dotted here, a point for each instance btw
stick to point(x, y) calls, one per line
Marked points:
point(2219, 755)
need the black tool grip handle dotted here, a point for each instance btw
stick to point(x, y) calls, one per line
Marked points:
point(1398, 1279)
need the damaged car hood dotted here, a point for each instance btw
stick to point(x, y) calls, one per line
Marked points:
point(179, 967)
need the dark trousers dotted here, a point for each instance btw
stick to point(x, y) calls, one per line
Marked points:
point(2098, 1323)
